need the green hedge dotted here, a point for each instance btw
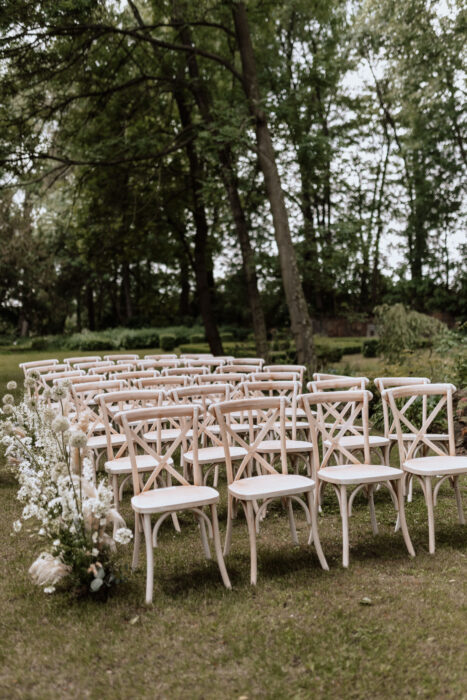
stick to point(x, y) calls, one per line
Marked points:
point(371, 347)
point(168, 341)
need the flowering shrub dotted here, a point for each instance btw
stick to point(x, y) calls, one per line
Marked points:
point(72, 515)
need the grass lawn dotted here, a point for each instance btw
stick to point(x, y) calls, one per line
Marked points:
point(300, 633)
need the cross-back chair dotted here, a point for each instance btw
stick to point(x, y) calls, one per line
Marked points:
point(296, 369)
point(183, 371)
point(151, 499)
point(345, 408)
point(35, 364)
point(273, 483)
point(118, 462)
point(120, 358)
point(433, 464)
point(82, 358)
point(164, 383)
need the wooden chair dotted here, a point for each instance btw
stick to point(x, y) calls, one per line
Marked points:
point(211, 452)
point(383, 383)
point(195, 355)
point(133, 376)
point(346, 407)
point(91, 364)
point(297, 369)
point(118, 463)
point(434, 462)
point(164, 356)
point(183, 371)
point(232, 378)
point(164, 383)
point(272, 484)
point(296, 449)
point(152, 500)
point(120, 358)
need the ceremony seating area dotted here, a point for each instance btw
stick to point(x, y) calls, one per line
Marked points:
point(176, 434)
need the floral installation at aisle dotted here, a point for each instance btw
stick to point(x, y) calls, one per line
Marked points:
point(71, 514)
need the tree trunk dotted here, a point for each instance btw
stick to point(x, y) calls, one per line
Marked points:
point(127, 292)
point(229, 179)
point(301, 324)
point(202, 269)
point(90, 308)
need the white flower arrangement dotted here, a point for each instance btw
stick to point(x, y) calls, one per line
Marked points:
point(72, 514)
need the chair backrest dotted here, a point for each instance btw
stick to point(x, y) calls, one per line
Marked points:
point(318, 376)
point(47, 369)
point(118, 358)
point(183, 371)
point(164, 383)
point(185, 417)
point(82, 358)
point(267, 376)
point(133, 376)
point(339, 384)
point(114, 402)
point(91, 364)
point(335, 418)
point(297, 369)
point(57, 377)
point(105, 369)
point(146, 364)
point(263, 415)
point(400, 398)
point(255, 361)
point(84, 379)
point(236, 369)
point(383, 383)
point(206, 362)
point(120, 369)
point(232, 378)
point(84, 395)
point(168, 364)
point(34, 364)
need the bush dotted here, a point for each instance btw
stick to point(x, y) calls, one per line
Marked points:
point(142, 338)
point(197, 338)
point(371, 347)
point(168, 341)
point(399, 329)
point(227, 337)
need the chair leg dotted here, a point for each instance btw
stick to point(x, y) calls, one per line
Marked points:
point(218, 547)
point(371, 502)
point(115, 490)
point(136, 543)
point(460, 511)
point(345, 525)
point(204, 538)
point(401, 518)
point(410, 489)
point(293, 529)
point(149, 557)
point(250, 518)
point(176, 524)
point(314, 532)
point(228, 534)
point(431, 517)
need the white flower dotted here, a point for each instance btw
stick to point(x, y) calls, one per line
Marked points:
point(123, 535)
point(8, 409)
point(8, 398)
point(17, 525)
point(49, 589)
point(11, 386)
point(60, 424)
point(59, 392)
point(94, 552)
point(29, 381)
point(78, 439)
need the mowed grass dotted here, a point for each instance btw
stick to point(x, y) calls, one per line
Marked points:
point(300, 633)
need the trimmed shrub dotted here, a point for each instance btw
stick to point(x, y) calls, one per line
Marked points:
point(168, 341)
point(228, 337)
point(197, 338)
point(370, 347)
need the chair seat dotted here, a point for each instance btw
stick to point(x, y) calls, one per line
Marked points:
point(122, 465)
point(270, 485)
point(173, 498)
point(355, 442)
point(290, 446)
point(439, 465)
point(359, 474)
point(99, 442)
point(207, 455)
point(167, 435)
point(411, 436)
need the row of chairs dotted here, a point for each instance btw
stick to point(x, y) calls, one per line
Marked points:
point(253, 439)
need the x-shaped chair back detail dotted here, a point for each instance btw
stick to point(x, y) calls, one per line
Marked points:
point(115, 402)
point(186, 418)
point(383, 383)
point(408, 449)
point(84, 398)
point(289, 389)
point(263, 415)
point(204, 396)
point(336, 413)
